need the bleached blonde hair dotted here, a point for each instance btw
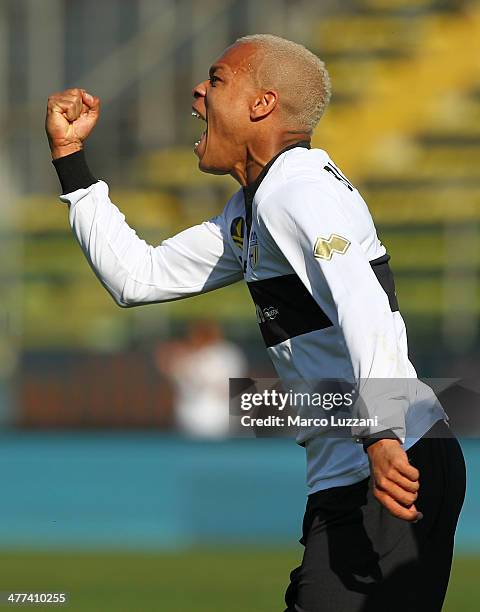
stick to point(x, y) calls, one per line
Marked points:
point(299, 76)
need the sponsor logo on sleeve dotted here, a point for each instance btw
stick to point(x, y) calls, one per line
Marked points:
point(325, 247)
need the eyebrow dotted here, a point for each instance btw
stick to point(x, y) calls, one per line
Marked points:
point(214, 69)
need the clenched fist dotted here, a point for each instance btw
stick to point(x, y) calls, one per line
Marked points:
point(71, 116)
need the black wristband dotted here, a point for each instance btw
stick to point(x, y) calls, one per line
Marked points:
point(73, 172)
point(388, 434)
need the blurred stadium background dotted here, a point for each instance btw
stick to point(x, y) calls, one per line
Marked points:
point(102, 496)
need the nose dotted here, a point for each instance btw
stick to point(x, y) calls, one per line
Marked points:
point(200, 90)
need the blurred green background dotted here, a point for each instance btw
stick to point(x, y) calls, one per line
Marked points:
point(250, 580)
point(403, 125)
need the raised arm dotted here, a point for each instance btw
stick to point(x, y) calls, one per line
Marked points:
point(194, 261)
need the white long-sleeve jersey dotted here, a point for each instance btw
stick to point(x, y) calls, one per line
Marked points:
point(304, 241)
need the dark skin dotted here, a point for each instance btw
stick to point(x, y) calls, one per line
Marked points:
point(246, 129)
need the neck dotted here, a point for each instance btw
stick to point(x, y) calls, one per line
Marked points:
point(259, 153)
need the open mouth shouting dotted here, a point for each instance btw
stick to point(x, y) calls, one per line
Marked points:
point(201, 144)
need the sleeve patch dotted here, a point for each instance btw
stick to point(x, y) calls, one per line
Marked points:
point(325, 248)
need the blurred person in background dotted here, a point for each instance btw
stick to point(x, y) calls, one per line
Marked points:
point(384, 502)
point(199, 367)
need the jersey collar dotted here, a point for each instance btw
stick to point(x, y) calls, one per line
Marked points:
point(250, 190)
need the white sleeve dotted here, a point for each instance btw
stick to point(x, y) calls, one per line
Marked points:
point(303, 221)
point(194, 261)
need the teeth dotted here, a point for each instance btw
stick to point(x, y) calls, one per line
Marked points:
point(197, 143)
point(195, 114)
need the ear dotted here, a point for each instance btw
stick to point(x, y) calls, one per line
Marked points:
point(263, 105)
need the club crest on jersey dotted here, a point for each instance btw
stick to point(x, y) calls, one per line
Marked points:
point(237, 231)
point(325, 248)
point(253, 250)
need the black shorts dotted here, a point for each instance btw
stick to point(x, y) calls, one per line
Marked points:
point(360, 558)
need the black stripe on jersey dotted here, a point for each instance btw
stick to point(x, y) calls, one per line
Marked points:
point(384, 275)
point(285, 308)
point(338, 175)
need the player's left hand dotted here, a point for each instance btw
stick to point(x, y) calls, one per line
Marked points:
point(395, 481)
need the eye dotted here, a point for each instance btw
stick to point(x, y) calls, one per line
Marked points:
point(213, 79)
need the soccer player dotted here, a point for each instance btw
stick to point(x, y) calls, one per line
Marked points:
point(383, 504)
